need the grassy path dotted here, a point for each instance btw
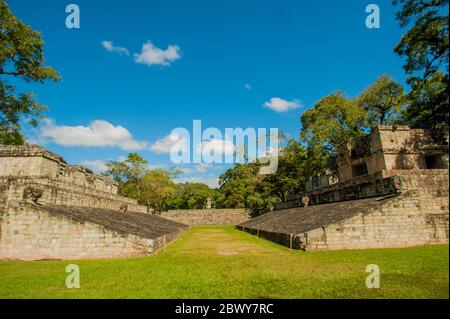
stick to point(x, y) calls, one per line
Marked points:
point(220, 262)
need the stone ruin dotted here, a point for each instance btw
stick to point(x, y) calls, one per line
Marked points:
point(391, 190)
point(390, 148)
point(52, 210)
point(208, 217)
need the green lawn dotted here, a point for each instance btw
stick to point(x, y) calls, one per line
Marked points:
point(220, 262)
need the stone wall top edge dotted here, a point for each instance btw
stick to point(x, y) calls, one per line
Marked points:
point(51, 182)
point(396, 128)
point(33, 150)
point(28, 150)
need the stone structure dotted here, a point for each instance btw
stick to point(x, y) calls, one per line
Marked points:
point(208, 203)
point(393, 192)
point(50, 209)
point(210, 217)
point(322, 180)
point(390, 148)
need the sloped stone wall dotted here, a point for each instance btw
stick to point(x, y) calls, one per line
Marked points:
point(52, 210)
point(417, 214)
point(410, 219)
point(29, 234)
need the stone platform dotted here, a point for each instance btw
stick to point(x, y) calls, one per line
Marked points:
point(413, 212)
point(52, 210)
point(32, 232)
point(392, 191)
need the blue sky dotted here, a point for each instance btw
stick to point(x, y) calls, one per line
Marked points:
point(228, 58)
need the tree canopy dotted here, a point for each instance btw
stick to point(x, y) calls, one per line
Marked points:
point(383, 101)
point(336, 118)
point(425, 46)
point(333, 120)
point(193, 196)
point(155, 189)
point(21, 56)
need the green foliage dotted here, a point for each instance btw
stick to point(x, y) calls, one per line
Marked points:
point(383, 101)
point(293, 171)
point(151, 188)
point(426, 49)
point(127, 174)
point(334, 120)
point(10, 136)
point(243, 187)
point(154, 189)
point(425, 45)
point(191, 196)
point(193, 267)
point(21, 55)
point(429, 105)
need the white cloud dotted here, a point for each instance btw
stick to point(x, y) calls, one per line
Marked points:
point(110, 47)
point(153, 55)
point(279, 105)
point(98, 133)
point(97, 166)
point(248, 86)
point(165, 144)
point(216, 146)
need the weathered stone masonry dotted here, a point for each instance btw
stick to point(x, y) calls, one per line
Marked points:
point(392, 193)
point(30, 234)
point(33, 167)
point(52, 210)
point(208, 217)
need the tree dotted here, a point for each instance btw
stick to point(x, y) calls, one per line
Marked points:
point(191, 196)
point(334, 120)
point(383, 101)
point(429, 105)
point(152, 188)
point(243, 187)
point(426, 49)
point(156, 187)
point(127, 174)
point(292, 172)
point(218, 198)
point(238, 183)
point(21, 56)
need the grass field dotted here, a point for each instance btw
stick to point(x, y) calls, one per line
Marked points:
point(220, 262)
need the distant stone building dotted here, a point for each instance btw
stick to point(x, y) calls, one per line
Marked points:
point(392, 192)
point(326, 179)
point(390, 148)
point(52, 210)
